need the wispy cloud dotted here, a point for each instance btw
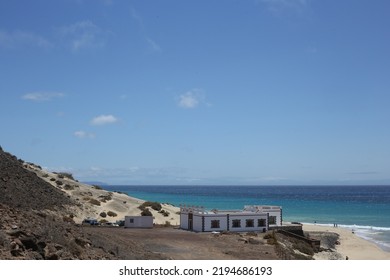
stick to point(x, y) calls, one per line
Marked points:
point(77, 36)
point(104, 119)
point(131, 174)
point(363, 173)
point(191, 99)
point(152, 44)
point(83, 134)
point(23, 38)
point(83, 34)
point(42, 96)
point(137, 18)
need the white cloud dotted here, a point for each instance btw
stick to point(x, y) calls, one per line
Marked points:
point(104, 119)
point(42, 96)
point(22, 38)
point(83, 134)
point(190, 99)
point(83, 34)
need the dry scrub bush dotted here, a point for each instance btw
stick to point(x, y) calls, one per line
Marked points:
point(146, 212)
point(68, 187)
point(65, 175)
point(164, 213)
point(154, 205)
point(94, 202)
point(112, 214)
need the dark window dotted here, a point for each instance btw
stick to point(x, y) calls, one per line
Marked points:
point(261, 222)
point(236, 223)
point(215, 224)
point(272, 220)
point(250, 223)
point(131, 221)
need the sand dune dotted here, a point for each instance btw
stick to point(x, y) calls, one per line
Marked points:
point(92, 200)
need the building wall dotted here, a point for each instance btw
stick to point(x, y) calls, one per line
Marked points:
point(197, 222)
point(278, 215)
point(243, 219)
point(138, 222)
point(202, 221)
point(222, 222)
point(273, 211)
point(184, 221)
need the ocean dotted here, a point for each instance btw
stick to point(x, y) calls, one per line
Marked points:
point(363, 209)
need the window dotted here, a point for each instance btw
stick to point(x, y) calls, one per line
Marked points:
point(250, 223)
point(131, 221)
point(215, 224)
point(236, 223)
point(272, 220)
point(261, 223)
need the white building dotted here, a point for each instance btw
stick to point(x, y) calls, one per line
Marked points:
point(251, 218)
point(139, 222)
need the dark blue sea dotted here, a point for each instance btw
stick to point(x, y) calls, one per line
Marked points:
point(365, 209)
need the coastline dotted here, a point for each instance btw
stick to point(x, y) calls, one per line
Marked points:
point(351, 245)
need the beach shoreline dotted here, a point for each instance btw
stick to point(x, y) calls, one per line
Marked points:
point(351, 246)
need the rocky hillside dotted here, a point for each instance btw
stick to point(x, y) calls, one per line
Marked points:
point(22, 189)
point(40, 214)
point(34, 222)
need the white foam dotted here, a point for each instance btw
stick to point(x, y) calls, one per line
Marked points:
point(356, 227)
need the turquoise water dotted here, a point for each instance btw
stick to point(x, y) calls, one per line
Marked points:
point(364, 209)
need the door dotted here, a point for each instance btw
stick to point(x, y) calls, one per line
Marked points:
point(190, 221)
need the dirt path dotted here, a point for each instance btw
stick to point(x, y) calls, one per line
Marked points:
point(171, 243)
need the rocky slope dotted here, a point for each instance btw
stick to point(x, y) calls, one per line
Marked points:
point(40, 214)
point(25, 190)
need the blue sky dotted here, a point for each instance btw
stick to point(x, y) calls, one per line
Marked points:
point(258, 92)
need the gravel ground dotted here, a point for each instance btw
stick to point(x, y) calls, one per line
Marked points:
point(173, 243)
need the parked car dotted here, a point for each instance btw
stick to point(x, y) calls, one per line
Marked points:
point(89, 221)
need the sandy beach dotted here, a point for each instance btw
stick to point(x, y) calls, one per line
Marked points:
point(351, 245)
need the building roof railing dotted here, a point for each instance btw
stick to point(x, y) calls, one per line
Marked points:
point(247, 208)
